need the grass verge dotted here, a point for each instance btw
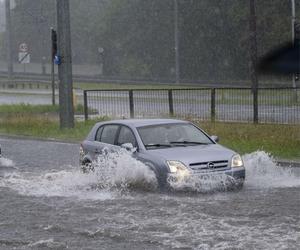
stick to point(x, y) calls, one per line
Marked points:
point(282, 141)
point(44, 126)
point(28, 109)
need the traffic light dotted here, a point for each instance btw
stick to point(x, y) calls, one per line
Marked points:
point(53, 43)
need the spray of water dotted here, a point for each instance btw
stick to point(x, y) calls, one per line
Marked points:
point(4, 162)
point(119, 169)
point(207, 183)
point(262, 171)
point(115, 173)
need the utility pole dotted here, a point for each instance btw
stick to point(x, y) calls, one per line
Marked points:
point(53, 53)
point(294, 41)
point(293, 33)
point(66, 111)
point(8, 39)
point(253, 59)
point(176, 41)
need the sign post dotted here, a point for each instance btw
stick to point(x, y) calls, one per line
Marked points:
point(24, 56)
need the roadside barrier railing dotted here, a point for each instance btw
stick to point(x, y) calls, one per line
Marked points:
point(273, 105)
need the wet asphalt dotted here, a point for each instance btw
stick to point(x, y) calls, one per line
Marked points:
point(47, 203)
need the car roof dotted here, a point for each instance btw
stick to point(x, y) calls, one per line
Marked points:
point(144, 122)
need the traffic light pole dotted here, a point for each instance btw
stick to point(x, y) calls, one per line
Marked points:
point(66, 111)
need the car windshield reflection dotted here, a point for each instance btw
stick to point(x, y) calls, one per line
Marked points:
point(172, 135)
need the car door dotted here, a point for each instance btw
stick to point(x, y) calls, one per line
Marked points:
point(126, 136)
point(105, 139)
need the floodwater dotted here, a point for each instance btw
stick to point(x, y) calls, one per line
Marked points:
point(47, 203)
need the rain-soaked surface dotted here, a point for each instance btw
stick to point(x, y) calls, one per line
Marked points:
point(47, 203)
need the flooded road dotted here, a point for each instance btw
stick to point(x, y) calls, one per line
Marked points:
point(47, 203)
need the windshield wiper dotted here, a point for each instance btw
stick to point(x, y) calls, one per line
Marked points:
point(157, 145)
point(188, 142)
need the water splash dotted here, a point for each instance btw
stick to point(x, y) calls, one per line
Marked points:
point(208, 183)
point(68, 183)
point(262, 171)
point(113, 174)
point(4, 162)
point(119, 169)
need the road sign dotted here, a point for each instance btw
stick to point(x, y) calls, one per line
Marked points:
point(24, 57)
point(23, 47)
point(57, 60)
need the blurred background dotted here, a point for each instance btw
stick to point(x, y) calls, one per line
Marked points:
point(136, 39)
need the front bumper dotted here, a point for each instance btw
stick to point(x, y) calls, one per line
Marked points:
point(238, 174)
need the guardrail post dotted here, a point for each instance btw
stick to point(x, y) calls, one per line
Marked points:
point(213, 105)
point(171, 107)
point(131, 104)
point(85, 106)
point(255, 105)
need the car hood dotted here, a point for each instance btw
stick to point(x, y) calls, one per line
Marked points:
point(194, 154)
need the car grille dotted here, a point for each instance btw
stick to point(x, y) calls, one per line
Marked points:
point(209, 166)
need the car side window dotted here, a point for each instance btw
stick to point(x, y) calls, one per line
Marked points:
point(109, 133)
point(98, 134)
point(126, 136)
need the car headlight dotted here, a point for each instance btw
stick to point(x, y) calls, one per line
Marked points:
point(236, 161)
point(177, 167)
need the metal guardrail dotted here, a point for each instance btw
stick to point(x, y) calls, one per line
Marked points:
point(30, 76)
point(273, 105)
point(26, 84)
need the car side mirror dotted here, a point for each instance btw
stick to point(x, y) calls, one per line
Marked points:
point(215, 138)
point(129, 147)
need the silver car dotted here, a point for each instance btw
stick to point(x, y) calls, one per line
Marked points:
point(172, 148)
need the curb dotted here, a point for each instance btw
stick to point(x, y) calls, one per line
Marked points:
point(288, 163)
point(32, 138)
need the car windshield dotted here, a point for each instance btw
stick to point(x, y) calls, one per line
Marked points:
point(172, 135)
